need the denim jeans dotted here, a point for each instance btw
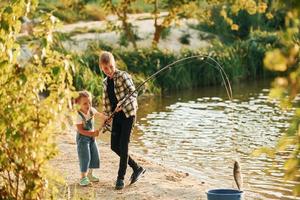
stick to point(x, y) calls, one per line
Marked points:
point(88, 153)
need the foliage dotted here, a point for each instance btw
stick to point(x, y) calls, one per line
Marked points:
point(236, 59)
point(74, 10)
point(121, 9)
point(236, 19)
point(185, 38)
point(123, 40)
point(87, 79)
point(148, 61)
point(34, 96)
point(243, 59)
point(286, 87)
point(165, 33)
point(175, 9)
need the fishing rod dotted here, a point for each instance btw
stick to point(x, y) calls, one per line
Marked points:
point(202, 57)
point(236, 171)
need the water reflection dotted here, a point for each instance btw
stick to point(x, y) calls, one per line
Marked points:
point(202, 132)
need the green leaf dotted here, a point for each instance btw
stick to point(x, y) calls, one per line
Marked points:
point(8, 132)
point(8, 9)
point(16, 136)
point(23, 79)
point(4, 25)
point(43, 42)
point(3, 63)
point(55, 71)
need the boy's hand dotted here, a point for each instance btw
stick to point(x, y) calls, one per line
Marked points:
point(119, 107)
point(107, 120)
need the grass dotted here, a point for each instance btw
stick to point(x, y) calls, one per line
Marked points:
point(70, 13)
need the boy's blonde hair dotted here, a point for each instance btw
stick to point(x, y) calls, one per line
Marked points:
point(83, 93)
point(107, 58)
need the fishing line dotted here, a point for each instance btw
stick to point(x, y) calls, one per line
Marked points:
point(227, 87)
point(237, 174)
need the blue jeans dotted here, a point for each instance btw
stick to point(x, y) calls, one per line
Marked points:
point(88, 153)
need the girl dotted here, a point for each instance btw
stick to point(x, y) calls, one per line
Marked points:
point(86, 144)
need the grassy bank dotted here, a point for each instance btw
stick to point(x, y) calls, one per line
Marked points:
point(242, 60)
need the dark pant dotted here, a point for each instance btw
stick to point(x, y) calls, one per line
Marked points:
point(120, 137)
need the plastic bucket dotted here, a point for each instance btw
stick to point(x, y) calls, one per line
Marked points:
point(224, 194)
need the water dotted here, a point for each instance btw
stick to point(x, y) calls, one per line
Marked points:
point(201, 132)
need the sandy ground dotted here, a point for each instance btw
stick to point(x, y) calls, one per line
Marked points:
point(159, 182)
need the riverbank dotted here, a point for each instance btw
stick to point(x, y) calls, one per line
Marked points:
point(159, 182)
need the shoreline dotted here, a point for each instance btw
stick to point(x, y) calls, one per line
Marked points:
point(159, 181)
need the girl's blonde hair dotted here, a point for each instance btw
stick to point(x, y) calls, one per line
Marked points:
point(107, 58)
point(83, 93)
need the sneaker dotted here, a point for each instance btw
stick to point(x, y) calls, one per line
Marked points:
point(84, 181)
point(137, 174)
point(93, 178)
point(119, 184)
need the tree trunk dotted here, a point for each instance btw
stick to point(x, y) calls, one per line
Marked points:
point(158, 30)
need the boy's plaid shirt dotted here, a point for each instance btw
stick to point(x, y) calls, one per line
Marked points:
point(123, 86)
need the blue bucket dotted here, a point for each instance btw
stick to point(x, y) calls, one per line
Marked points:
point(224, 194)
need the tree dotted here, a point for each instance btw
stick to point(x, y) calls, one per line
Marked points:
point(175, 10)
point(34, 96)
point(121, 9)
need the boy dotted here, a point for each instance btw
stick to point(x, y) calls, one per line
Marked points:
point(117, 85)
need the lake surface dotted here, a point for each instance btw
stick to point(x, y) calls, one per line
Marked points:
point(202, 132)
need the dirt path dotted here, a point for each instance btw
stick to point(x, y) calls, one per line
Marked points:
point(158, 182)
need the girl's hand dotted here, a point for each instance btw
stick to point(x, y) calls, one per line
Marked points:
point(95, 133)
point(99, 120)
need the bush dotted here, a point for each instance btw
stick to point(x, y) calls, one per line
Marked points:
point(185, 39)
point(86, 79)
point(246, 22)
point(34, 97)
point(74, 10)
point(243, 59)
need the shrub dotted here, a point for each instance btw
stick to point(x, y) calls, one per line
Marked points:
point(34, 96)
